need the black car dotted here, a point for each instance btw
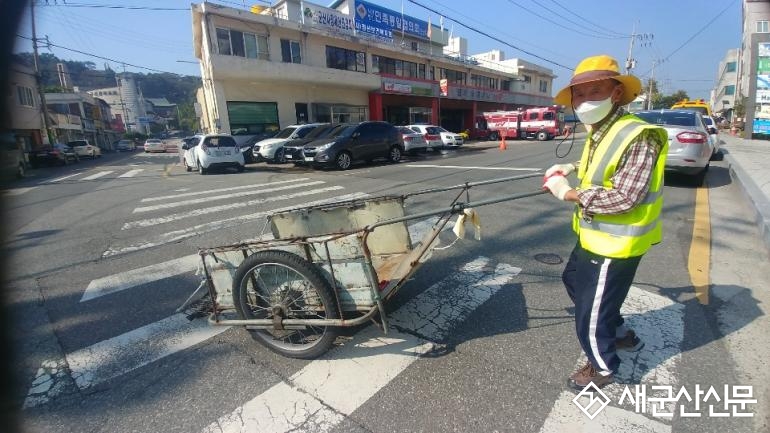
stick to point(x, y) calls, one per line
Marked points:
point(365, 141)
point(293, 148)
point(58, 154)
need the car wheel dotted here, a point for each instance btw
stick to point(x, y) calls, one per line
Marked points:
point(542, 136)
point(395, 155)
point(201, 170)
point(280, 156)
point(241, 168)
point(494, 136)
point(93, 154)
point(187, 166)
point(20, 171)
point(343, 161)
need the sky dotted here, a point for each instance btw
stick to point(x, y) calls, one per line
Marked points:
point(679, 42)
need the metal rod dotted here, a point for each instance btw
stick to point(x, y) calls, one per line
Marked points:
point(268, 323)
point(472, 184)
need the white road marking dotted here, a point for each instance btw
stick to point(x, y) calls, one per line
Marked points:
point(472, 168)
point(316, 398)
point(659, 322)
point(255, 189)
point(151, 222)
point(200, 229)
point(125, 280)
point(111, 358)
point(59, 179)
point(212, 191)
point(97, 175)
point(17, 191)
point(132, 173)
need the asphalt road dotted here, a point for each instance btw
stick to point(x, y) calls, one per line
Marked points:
point(103, 252)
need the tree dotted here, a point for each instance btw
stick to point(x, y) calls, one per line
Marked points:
point(668, 101)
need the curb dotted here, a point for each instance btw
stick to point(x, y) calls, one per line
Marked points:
point(755, 196)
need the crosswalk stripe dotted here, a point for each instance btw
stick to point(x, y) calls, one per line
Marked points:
point(319, 395)
point(97, 175)
point(471, 167)
point(125, 280)
point(17, 191)
point(659, 322)
point(151, 222)
point(255, 189)
point(59, 179)
point(212, 191)
point(200, 229)
point(169, 333)
point(132, 173)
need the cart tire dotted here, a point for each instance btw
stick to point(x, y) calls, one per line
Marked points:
point(266, 281)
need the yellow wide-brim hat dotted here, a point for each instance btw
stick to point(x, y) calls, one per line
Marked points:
point(598, 68)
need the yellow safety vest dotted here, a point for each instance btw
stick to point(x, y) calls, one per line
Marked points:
point(632, 233)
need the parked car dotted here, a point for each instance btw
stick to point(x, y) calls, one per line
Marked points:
point(154, 145)
point(84, 148)
point(125, 146)
point(450, 138)
point(59, 154)
point(12, 162)
point(292, 149)
point(212, 151)
point(365, 141)
point(413, 141)
point(713, 130)
point(271, 149)
point(432, 135)
point(170, 145)
point(689, 146)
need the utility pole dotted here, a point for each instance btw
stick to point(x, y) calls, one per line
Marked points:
point(649, 92)
point(630, 62)
point(44, 108)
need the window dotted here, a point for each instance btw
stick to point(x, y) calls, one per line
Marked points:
point(25, 96)
point(527, 79)
point(340, 58)
point(482, 81)
point(544, 86)
point(401, 68)
point(731, 67)
point(452, 76)
point(247, 118)
point(236, 43)
point(505, 85)
point(290, 52)
point(762, 27)
point(730, 90)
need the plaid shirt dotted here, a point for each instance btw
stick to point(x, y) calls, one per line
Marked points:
point(631, 180)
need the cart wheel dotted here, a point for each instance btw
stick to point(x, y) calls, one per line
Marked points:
point(270, 283)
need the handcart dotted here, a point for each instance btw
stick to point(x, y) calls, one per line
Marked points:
point(327, 266)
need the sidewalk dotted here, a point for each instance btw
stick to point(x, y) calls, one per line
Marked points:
point(749, 164)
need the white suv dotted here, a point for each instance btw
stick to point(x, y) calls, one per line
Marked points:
point(205, 152)
point(271, 149)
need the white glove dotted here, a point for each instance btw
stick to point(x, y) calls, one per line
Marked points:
point(558, 186)
point(566, 169)
point(459, 228)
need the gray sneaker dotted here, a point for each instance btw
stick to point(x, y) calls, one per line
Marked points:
point(630, 342)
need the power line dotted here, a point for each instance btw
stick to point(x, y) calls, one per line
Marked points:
point(587, 21)
point(492, 37)
point(103, 6)
point(697, 33)
point(560, 25)
point(580, 25)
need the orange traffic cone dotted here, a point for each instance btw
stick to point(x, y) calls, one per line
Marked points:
point(502, 141)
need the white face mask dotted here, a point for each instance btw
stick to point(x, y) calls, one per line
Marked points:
point(592, 112)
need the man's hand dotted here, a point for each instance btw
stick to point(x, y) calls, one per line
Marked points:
point(565, 169)
point(558, 186)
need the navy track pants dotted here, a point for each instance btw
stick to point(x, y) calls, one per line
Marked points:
point(598, 286)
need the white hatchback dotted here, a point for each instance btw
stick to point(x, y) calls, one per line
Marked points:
point(212, 151)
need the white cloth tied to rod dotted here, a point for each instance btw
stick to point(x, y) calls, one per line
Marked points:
point(469, 214)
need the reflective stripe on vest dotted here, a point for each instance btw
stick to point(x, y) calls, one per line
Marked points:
point(618, 229)
point(620, 137)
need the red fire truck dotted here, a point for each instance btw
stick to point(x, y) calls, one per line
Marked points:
point(542, 123)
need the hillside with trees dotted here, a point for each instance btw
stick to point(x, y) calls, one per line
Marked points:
point(177, 89)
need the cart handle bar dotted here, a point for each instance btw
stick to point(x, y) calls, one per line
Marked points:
point(472, 184)
point(456, 208)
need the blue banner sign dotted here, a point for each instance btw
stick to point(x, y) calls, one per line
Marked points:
point(384, 24)
point(761, 126)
